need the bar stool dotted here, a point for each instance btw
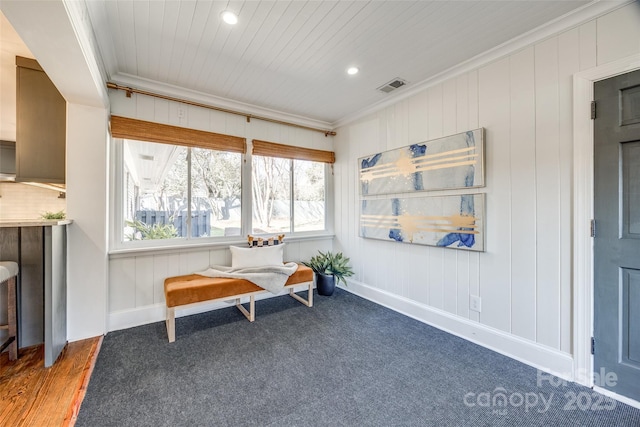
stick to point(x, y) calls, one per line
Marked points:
point(8, 275)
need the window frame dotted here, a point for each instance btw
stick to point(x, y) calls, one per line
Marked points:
point(118, 245)
point(292, 210)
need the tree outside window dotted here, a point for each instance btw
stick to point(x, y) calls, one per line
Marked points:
point(288, 195)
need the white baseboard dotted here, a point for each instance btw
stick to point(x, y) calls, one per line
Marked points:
point(133, 317)
point(530, 353)
point(139, 316)
point(538, 356)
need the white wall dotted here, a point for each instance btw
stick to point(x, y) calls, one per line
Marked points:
point(136, 281)
point(524, 102)
point(87, 245)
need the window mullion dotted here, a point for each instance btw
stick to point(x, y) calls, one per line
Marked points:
point(328, 197)
point(291, 197)
point(188, 222)
point(120, 194)
point(246, 194)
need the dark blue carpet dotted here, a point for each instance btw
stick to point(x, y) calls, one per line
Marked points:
point(344, 362)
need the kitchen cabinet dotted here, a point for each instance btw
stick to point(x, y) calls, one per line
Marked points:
point(41, 120)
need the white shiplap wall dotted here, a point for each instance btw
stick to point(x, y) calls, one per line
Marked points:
point(136, 292)
point(524, 102)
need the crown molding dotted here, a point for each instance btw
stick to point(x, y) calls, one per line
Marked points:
point(215, 101)
point(566, 22)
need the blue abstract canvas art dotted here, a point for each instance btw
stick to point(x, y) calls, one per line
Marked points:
point(452, 162)
point(455, 221)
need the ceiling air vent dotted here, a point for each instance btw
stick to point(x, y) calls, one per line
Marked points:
point(392, 85)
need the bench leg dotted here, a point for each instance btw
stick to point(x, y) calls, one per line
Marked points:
point(251, 314)
point(171, 323)
point(309, 301)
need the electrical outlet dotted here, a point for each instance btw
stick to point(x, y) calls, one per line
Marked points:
point(475, 303)
point(180, 112)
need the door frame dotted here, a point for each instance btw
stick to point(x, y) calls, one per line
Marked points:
point(583, 163)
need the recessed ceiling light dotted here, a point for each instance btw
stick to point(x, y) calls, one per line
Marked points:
point(352, 70)
point(229, 17)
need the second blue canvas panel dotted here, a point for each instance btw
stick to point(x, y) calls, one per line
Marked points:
point(452, 162)
point(447, 221)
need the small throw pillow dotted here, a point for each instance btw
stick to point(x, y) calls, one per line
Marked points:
point(260, 242)
point(251, 257)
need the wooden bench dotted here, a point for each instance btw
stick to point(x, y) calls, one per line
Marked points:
point(192, 289)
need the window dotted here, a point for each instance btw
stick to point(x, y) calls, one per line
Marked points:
point(175, 183)
point(309, 205)
point(217, 189)
point(154, 190)
point(271, 194)
point(288, 195)
point(288, 188)
point(183, 186)
point(172, 191)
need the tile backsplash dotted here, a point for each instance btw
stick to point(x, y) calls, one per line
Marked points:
point(23, 201)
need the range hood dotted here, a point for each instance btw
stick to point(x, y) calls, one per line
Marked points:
point(7, 161)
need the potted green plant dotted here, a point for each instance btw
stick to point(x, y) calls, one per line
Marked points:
point(329, 268)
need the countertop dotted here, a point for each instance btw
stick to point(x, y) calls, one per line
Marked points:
point(33, 222)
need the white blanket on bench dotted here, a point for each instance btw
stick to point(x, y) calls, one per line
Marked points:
point(272, 277)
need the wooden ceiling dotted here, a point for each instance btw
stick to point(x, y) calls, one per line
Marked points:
point(292, 56)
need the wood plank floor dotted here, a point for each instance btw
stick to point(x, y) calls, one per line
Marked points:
point(32, 395)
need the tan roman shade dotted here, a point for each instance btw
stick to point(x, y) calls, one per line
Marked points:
point(271, 149)
point(123, 127)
